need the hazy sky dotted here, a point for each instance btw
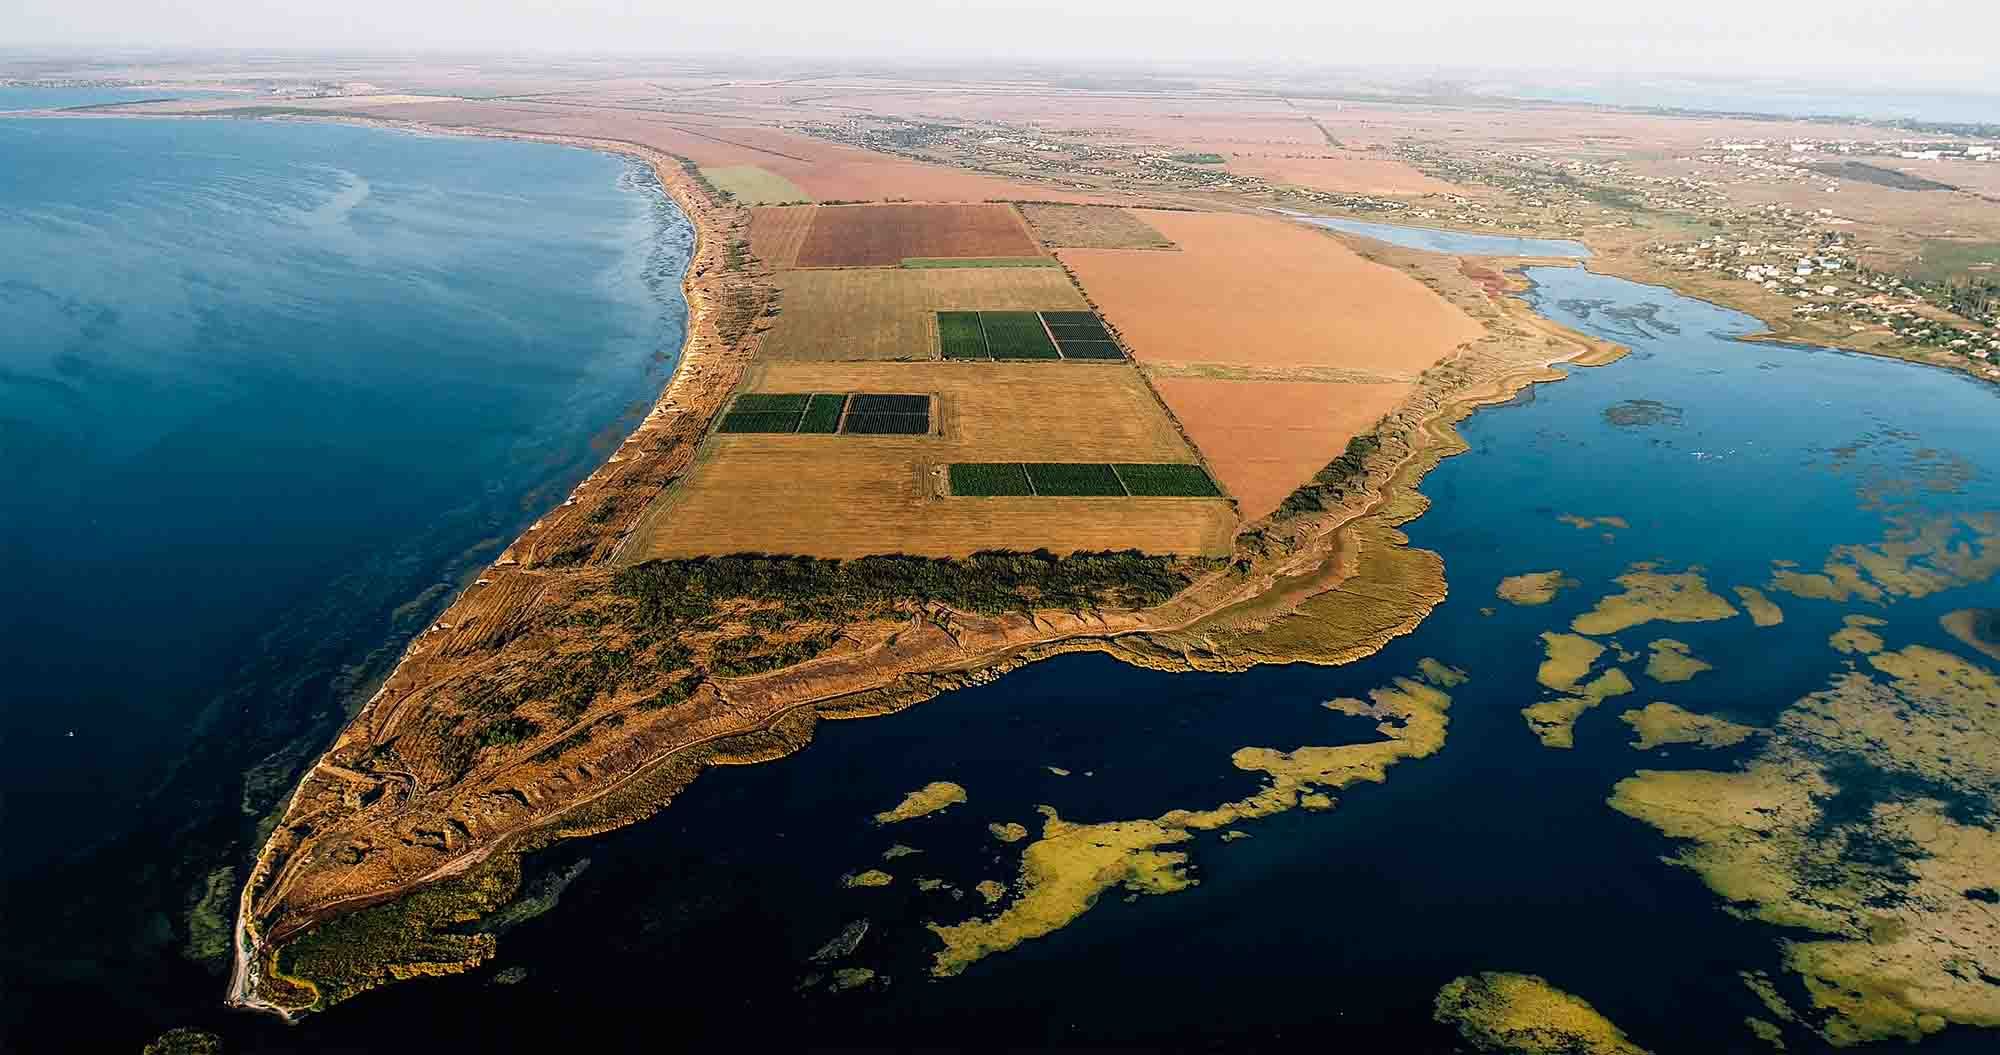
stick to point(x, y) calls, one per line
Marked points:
point(1931, 41)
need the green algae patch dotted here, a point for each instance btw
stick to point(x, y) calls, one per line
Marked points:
point(1917, 558)
point(922, 802)
point(1855, 638)
point(1768, 1032)
point(184, 1041)
point(1976, 627)
point(1524, 1014)
point(1554, 721)
point(1660, 724)
point(1009, 832)
point(1062, 875)
point(1532, 588)
point(1762, 611)
point(874, 877)
point(1866, 822)
point(1072, 865)
point(1440, 674)
point(1673, 661)
point(1568, 659)
point(1650, 595)
point(1586, 523)
point(211, 918)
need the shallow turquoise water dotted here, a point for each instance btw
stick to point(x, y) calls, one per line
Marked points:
point(268, 392)
point(1433, 240)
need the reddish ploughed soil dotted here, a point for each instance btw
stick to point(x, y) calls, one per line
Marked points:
point(1265, 438)
point(883, 235)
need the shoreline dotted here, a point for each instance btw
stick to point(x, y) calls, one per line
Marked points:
point(1329, 551)
point(1616, 263)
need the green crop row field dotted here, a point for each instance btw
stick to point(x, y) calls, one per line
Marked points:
point(859, 414)
point(981, 335)
point(1080, 480)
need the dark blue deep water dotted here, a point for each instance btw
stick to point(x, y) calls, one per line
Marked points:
point(268, 392)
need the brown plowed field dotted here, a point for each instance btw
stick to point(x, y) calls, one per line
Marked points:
point(1092, 227)
point(891, 313)
point(1263, 439)
point(776, 232)
point(850, 496)
point(1343, 175)
point(884, 235)
point(1258, 291)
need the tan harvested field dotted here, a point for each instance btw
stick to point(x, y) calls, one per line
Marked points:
point(885, 235)
point(1092, 227)
point(1342, 174)
point(1253, 292)
point(837, 314)
point(1262, 439)
point(777, 231)
point(850, 496)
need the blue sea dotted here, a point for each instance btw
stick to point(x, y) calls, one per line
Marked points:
point(269, 393)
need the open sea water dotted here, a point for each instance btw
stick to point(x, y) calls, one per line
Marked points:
point(269, 392)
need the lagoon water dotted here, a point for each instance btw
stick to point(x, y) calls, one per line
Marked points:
point(268, 392)
point(1435, 240)
point(1335, 928)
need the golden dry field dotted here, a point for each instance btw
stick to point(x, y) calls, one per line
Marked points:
point(1253, 291)
point(1262, 439)
point(850, 496)
point(776, 233)
point(1092, 227)
point(891, 313)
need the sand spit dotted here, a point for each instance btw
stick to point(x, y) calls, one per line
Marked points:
point(380, 826)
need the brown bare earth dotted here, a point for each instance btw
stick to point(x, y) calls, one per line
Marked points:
point(777, 231)
point(1092, 227)
point(834, 314)
point(850, 496)
point(1263, 438)
point(1342, 173)
point(1252, 291)
point(886, 235)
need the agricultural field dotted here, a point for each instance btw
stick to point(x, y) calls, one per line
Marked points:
point(1265, 438)
point(854, 414)
point(767, 494)
point(886, 235)
point(1007, 335)
point(1080, 479)
point(1092, 227)
point(1253, 292)
point(777, 233)
point(753, 185)
point(886, 313)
